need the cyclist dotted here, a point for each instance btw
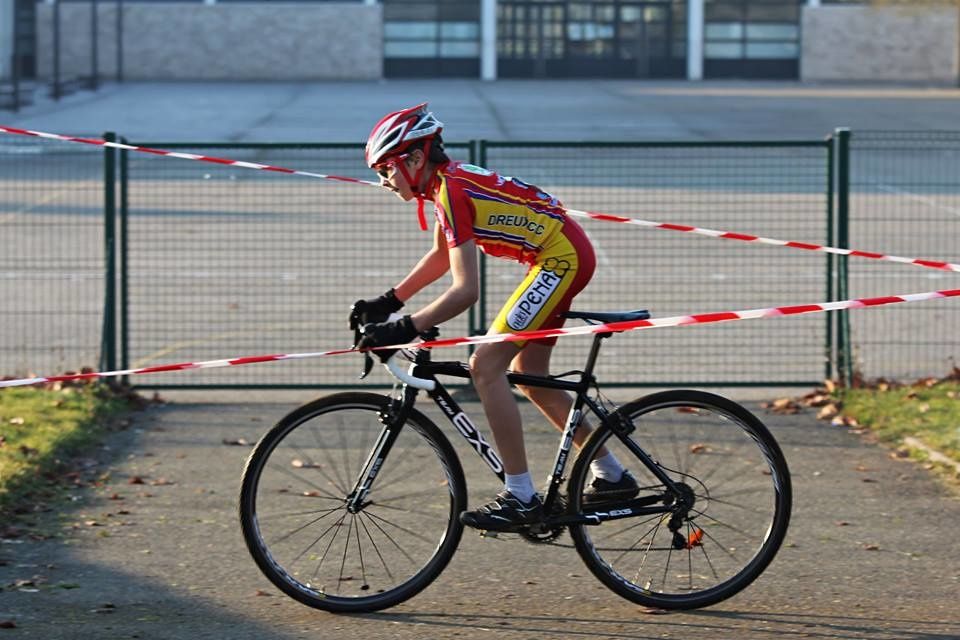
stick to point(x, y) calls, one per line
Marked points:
point(505, 218)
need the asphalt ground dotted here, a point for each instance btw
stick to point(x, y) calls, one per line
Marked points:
point(870, 552)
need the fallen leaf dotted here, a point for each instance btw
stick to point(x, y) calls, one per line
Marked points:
point(135, 480)
point(830, 386)
point(860, 467)
point(698, 448)
point(262, 593)
point(923, 408)
point(239, 442)
point(17, 420)
point(842, 523)
point(116, 496)
point(161, 482)
point(8, 624)
point(828, 411)
point(816, 399)
point(871, 547)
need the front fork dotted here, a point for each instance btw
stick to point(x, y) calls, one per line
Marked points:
point(392, 417)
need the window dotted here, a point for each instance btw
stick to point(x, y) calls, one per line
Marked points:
point(752, 29)
point(431, 28)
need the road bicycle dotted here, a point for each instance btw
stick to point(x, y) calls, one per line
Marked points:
point(351, 502)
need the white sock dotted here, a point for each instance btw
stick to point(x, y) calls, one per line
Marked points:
point(607, 468)
point(521, 486)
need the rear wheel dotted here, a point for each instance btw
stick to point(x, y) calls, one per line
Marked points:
point(295, 516)
point(720, 529)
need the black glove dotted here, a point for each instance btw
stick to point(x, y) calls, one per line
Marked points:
point(386, 333)
point(374, 310)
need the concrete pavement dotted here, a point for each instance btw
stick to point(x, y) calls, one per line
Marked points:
point(502, 110)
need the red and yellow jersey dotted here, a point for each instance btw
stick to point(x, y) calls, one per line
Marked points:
point(504, 216)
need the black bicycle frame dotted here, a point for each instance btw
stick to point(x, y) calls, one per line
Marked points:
point(425, 368)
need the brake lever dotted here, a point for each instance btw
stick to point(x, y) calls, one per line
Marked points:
point(367, 359)
point(367, 366)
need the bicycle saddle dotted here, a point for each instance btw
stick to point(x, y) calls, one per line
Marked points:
point(592, 317)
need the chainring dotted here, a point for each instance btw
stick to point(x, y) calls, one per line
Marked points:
point(546, 533)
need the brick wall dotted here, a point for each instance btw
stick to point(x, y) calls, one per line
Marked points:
point(243, 41)
point(918, 44)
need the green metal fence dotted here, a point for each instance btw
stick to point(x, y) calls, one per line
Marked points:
point(904, 200)
point(51, 256)
point(228, 261)
point(194, 261)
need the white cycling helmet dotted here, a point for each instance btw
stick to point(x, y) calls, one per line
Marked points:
point(397, 131)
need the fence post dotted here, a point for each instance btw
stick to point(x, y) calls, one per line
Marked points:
point(844, 349)
point(831, 368)
point(108, 345)
point(481, 320)
point(124, 318)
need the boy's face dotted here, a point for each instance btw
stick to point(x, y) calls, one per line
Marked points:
point(392, 178)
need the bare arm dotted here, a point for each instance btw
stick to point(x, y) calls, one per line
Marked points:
point(431, 266)
point(461, 295)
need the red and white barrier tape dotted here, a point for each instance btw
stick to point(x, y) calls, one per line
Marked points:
point(631, 325)
point(183, 156)
point(726, 235)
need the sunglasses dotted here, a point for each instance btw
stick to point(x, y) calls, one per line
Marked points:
point(383, 170)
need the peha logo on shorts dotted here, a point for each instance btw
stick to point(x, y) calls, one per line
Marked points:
point(515, 221)
point(533, 299)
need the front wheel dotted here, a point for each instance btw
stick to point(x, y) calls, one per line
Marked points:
point(720, 524)
point(316, 547)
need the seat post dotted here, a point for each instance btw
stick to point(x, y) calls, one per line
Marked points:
point(594, 353)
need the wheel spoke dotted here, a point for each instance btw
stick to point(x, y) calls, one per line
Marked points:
point(390, 538)
point(416, 535)
point(376, 548)
point(301, 528)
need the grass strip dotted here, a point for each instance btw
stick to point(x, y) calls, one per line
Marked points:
point(40, 430)
point(927, 410)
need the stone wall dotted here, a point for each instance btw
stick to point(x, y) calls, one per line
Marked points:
point(900, 44)
point(241, 41)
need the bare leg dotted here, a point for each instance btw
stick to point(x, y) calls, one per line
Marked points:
point(555, 404)
point(488, 366)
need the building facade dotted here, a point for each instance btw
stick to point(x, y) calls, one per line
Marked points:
point(368, 39)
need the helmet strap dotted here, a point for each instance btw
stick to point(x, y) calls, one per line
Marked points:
point(414, 182)
point(421, 216)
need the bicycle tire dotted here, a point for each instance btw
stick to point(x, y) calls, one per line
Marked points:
point(316, 453)
point(727, 538)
